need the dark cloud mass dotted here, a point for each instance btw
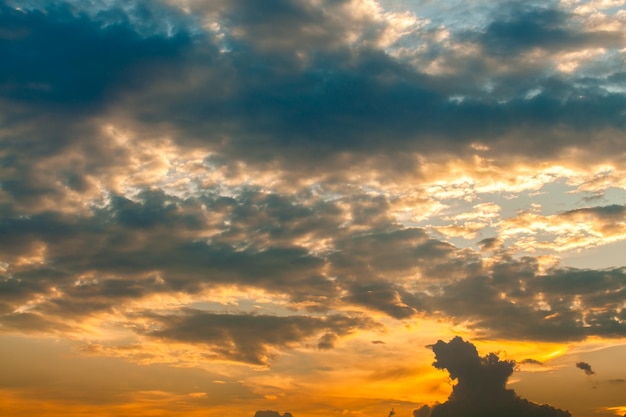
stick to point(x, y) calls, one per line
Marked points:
point(523, 27)
point(59, 59)
point(251, 338)
point(481, 385)
point(344, 98)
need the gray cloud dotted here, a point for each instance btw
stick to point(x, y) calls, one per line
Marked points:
point(260, 104)
point(251, 338)
point(585, 367)
point(523, 27)
point(77, 62)
point(531, 361)
point(133, 249)
point(612, 213)
point(481, 387)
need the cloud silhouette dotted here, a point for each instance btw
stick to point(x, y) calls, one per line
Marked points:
point(585, 367)
point(254, 338)
point(481, 387)
point(531, 361)
point(271, 413)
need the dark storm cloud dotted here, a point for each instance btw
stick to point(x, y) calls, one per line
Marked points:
point(585, 367)
point(481, 385)
point(251, 338)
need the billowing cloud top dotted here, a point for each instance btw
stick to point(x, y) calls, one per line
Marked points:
point(480, 390)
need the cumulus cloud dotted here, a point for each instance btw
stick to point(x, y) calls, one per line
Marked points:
point(481, 385)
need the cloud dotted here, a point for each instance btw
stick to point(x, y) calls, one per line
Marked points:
point(145, 155)
point(572, 229)
point(481, 385)
point(423, 411)
point(270, 413)
point(78, 62)
point(130, 250)
point(200, 183)
point(585, 367)
point(345, 87)
point(531, 362)
point(550, 28)
point(253, 338)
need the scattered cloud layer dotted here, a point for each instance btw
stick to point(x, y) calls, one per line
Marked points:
point(190, 182)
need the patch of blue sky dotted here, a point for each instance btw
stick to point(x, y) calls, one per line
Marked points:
point(610, 255)
point(450, 13)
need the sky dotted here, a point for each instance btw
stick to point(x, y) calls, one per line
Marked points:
point(325, 207)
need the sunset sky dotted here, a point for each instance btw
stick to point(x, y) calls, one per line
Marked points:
point(213, 207)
